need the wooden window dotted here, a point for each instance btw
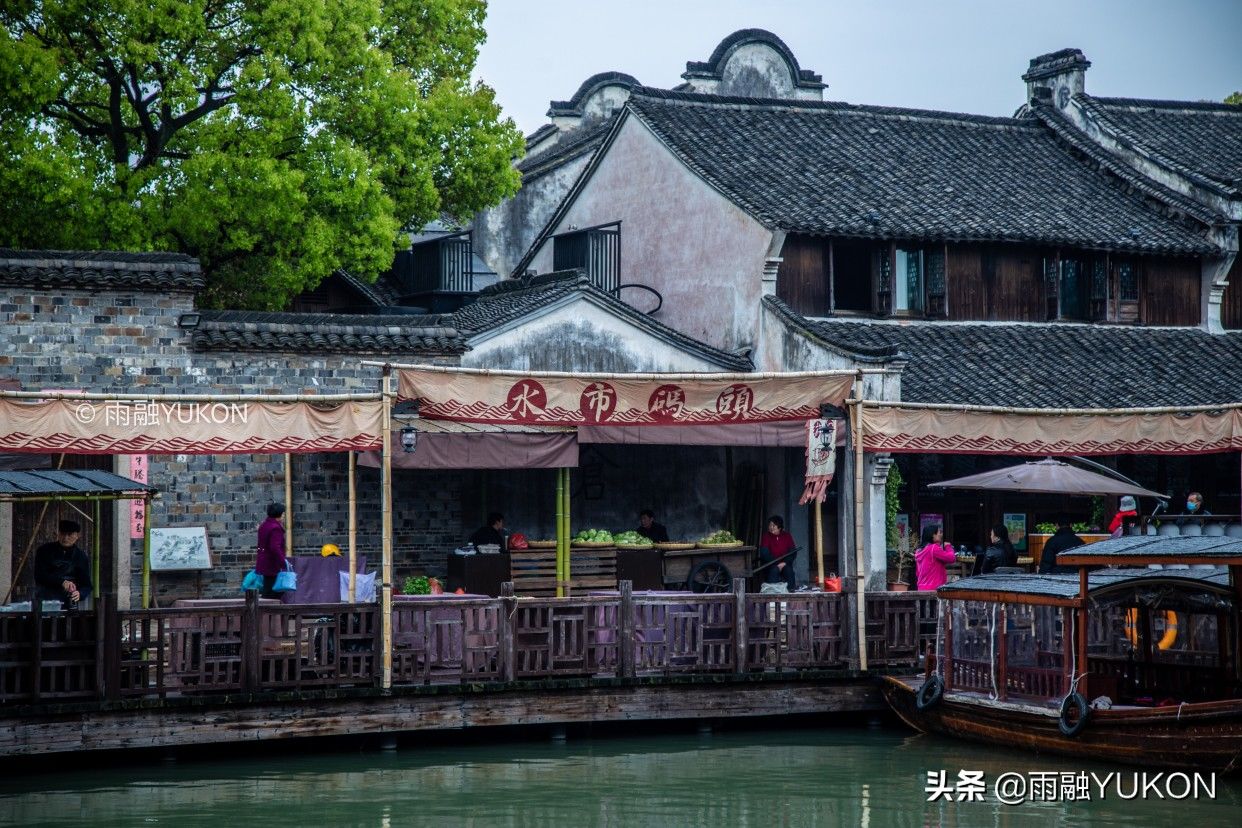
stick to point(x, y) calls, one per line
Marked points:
point(908, 287)
point(851, 276)
point(596, 250)
point(1052, 286)
point(1099, 289)
point(884, 280)
point(937, 305)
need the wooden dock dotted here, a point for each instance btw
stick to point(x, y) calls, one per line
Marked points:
point(116, 680)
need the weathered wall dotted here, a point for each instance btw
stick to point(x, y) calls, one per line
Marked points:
point(678, 235)
point(502, 234)
point(579, 336)
point(1231, 305)
point(129, 341)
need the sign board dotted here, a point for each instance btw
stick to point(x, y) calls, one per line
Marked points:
point(137, 508)
point(1015, 522)
point(180, 548)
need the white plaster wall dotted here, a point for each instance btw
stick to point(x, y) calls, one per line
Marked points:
point(678, 235)
point(580, 336)
point(605, 101)
point(502, 234)
point(757, 70)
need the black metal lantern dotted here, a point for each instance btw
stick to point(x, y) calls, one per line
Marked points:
point(409, 439)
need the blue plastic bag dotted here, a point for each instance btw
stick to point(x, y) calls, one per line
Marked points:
point(286, 581)
point(253, 580)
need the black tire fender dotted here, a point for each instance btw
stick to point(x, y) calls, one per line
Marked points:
point(930, 693)
point(1074, 701)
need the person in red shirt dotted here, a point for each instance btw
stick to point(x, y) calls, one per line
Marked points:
point(271, 549)
point(777, 543)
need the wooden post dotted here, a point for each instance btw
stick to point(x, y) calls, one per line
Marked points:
point(508, 612)
point(289, 505)
point(1002, 659)
point(568, 533)
point(948, 645)
point(353, 527)
point(1083, 621)
point(97, 588)
point(1067, 648)
point(860, 584)
point(741, 644)
point(625, 629)
point(36, 644)
point(101, 638)
point(561, 540)
point(386, 529)
point(146, 552)
point(819, 541)
point(250, 641)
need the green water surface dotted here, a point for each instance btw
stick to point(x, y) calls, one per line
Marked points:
point(855, 776)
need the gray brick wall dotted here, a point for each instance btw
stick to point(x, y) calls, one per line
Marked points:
point(130, 341)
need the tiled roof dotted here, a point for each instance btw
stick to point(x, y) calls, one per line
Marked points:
point(876, 172)
point(1197, 138)
point(100, 270)
point(1051, 365)
point(583, 140)
point(425, 335)
point(512, 299)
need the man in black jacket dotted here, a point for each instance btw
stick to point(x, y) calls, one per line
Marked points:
point(1063, 539)
point(62, 571)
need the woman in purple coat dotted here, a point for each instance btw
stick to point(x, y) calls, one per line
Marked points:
point(271, 557)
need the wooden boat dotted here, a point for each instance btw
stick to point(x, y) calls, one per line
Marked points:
point(1126, 665)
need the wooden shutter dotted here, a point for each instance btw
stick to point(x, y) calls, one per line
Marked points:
point(1052, 285)
point(884, 280)
point(937, 306)
point(1099, 289)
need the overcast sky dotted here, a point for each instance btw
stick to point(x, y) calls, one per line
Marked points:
point(958, 55)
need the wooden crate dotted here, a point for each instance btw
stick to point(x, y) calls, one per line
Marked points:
point(533, 571)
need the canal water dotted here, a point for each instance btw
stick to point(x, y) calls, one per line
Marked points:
point(866, 776)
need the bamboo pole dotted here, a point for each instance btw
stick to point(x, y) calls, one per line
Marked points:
point(1053, 412)
point(386, 529)
point(146, 553)
point(324, 399)
point(353, 526)
point(860, 618)
point(289, 505)
point(750, 377)
point(95, 567)
point(819, 540)
point(560, 532)
point(569, 550)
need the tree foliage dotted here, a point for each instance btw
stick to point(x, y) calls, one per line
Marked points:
point(277, 140)
point(1234, 98)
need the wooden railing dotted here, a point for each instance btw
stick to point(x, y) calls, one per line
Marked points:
point(252, 647)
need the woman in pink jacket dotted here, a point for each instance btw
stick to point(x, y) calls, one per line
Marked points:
point(929, 561)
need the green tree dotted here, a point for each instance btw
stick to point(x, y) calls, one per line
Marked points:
point(277, 140)
point(1234, 98)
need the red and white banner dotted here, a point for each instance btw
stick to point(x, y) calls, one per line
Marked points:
point(821, 460)
point(619, 399)
point(192, 427)
point(890, 429)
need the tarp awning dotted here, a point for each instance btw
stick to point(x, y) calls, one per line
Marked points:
point(35, 485)
point(93, 424)
point(967, 430)
point(623, 400)
point(451, 445)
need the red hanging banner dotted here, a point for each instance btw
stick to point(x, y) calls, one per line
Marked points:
point(506, 397)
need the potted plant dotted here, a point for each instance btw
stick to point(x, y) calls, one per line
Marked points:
point(901, 557)
point(898, 542)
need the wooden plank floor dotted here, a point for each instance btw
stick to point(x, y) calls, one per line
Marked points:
point(186, 722)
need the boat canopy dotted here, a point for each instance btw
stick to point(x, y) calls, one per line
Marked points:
point(1062, 590)
point(1141, 550)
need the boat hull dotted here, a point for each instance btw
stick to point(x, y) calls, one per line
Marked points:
point(1206, 736)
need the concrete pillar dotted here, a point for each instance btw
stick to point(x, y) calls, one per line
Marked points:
point(123, 548)
point(1215, 272)
point(6, 548)
point(877, 466)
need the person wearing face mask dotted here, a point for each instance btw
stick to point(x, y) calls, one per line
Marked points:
point(1194, 507)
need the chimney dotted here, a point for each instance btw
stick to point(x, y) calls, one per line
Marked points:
point(1056, 75)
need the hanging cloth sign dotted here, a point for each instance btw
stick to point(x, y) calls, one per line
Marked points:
point(618, 399)
point(821, 459)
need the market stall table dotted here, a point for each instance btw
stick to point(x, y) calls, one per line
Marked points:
point(478, 574)
point(319, 580)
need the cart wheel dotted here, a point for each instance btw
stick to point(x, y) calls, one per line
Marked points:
point(709, 576)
